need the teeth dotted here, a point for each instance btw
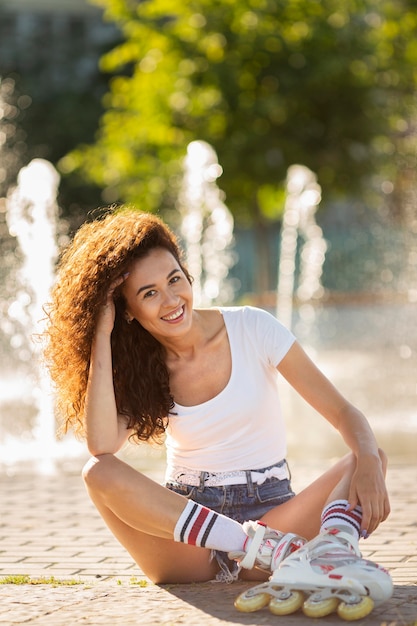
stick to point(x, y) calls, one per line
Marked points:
point(174, 316)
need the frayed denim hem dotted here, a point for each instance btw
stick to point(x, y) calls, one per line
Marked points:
point(229, 570)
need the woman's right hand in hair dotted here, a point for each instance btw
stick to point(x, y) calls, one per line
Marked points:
point(107, 313)
point(105, 433)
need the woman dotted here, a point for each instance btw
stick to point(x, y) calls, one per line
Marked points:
point(131, 358)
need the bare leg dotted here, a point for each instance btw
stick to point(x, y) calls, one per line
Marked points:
point(134, 498)
point(142, 516)
point(302, 514)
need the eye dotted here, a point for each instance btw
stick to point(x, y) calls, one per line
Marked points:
point(174, 279)
point(149, 294)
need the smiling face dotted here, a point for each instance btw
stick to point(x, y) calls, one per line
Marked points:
point(158, 295)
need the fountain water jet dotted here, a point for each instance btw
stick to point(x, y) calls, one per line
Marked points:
point(303, 197)
point(363, 343)
point(207, 227)
point(32, 215)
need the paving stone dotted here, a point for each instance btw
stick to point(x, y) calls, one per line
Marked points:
point(50, 528)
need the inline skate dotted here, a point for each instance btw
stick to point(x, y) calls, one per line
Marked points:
point(267, 547)
point(327, 574)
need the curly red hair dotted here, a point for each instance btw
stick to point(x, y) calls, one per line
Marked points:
point(101, 251)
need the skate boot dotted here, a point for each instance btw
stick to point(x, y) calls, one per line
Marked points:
point(268, 547)
point(327, 574)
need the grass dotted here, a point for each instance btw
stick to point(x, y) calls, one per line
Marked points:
point(24, 579)
point(139, 582)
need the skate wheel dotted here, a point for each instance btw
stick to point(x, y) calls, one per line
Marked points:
point(286, 605)
point(320, 608)
point(248, 602)
point(351, 612)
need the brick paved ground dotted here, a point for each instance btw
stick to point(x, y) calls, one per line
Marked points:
point(50, 528)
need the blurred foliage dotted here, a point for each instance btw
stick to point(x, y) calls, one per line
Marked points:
point(268, 83)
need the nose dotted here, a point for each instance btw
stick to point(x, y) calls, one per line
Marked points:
point(170, 298)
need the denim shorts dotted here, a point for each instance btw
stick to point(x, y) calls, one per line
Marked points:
point(245, 502)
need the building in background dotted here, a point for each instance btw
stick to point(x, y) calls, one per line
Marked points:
point(50, 78)
point(52, 44)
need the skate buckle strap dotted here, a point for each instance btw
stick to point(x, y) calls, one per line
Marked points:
point(249, 559)
point(339, 538)
point(285, 546)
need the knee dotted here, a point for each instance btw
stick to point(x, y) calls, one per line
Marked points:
point(348, 463)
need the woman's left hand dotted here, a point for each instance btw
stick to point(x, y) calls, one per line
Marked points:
point(368, 489)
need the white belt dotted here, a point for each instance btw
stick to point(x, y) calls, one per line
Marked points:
point(187, 476)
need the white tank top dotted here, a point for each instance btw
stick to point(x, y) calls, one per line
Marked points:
point(242, 427)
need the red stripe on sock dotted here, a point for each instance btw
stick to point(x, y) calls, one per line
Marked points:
point(334, 509)
point(354, 514)
point(202, 516)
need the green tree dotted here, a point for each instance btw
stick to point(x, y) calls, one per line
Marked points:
point(268, 83)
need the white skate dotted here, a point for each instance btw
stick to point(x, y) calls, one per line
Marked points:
point(330, 571)
point(268, 547)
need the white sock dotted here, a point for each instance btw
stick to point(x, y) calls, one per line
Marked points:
point(200, 526)
point(336, 514)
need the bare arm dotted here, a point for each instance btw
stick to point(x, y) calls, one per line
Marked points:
point(368, 484)
point(106, 430)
